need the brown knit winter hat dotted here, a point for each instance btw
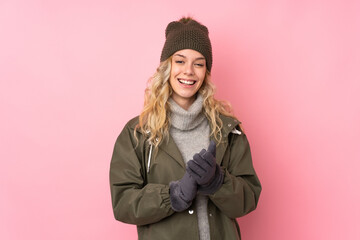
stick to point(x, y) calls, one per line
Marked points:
point(187, 34)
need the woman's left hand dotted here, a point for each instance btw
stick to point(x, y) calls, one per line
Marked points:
point(202, 167)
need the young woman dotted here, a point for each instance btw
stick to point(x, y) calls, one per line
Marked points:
point(182, 169)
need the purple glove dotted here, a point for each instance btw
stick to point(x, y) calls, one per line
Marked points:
point(205, 171)
point(182, 192)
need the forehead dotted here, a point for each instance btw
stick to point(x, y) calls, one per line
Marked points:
point(189, 53)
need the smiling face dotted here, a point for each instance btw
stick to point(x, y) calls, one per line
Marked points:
point(188, 70)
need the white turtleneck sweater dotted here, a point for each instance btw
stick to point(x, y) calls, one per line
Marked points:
point(191, 133)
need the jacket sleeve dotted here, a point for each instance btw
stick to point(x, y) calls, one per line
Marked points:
point(241, 188)
point(133, 200)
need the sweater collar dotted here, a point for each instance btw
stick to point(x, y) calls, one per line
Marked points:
point(186, 119)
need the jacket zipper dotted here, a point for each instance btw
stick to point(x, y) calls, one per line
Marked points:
point(149, 159)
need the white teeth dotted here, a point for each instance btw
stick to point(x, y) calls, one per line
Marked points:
point(187, 82)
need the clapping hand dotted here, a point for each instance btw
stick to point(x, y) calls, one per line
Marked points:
point(205, 171)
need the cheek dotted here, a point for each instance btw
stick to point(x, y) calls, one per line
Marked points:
point(172, 76)
point(172, 80)
point(202, 75)
point(174, 70)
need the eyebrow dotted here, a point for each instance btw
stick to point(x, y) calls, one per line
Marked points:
point(199, 58)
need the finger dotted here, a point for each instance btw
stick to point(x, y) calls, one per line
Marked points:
point(202, 152)
point(195, 166)
point(209, 159)
point(201, 161)
point(193, 174)
point(212, 148)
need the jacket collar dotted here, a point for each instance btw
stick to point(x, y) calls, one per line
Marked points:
point(229, 124)
point(169, 146)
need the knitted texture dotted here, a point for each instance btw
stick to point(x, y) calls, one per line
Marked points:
point(187, 35)
point(190, 130)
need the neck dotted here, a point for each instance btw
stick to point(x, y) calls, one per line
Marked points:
point(183, 103)
point(186, 119)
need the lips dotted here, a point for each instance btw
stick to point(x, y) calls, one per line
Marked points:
point(186, 81)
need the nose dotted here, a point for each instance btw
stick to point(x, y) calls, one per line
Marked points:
point(189, 69)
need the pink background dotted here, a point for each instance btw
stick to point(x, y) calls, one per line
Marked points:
point(73, 72)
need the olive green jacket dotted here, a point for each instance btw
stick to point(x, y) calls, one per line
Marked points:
point(140, 194)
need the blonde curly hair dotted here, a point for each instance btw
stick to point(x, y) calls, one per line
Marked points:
point(154, 119)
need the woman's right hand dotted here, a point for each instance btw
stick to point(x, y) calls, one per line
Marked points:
point(182, 192)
